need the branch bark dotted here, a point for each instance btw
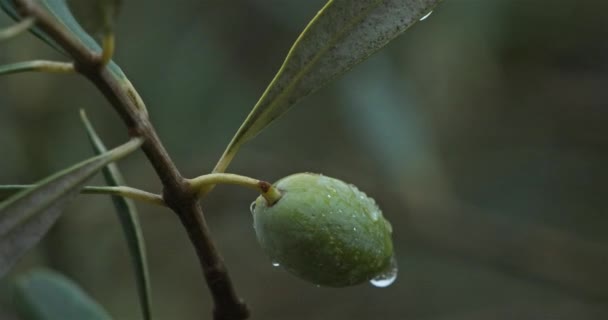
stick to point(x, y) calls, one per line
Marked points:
point(177, 193)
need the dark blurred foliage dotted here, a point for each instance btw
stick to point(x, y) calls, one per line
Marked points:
point(481, 132)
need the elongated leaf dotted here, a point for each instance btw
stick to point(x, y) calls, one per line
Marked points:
point(60, 10)
point(96, 16)
point(9, 7)
point(15, 30)
point(7, 190)
point(48, 295)
point(28, 215)
point(36, 65)
point(127, 213)
point(19, 67)
point(341, 35)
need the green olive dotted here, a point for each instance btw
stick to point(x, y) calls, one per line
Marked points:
point(325, 231)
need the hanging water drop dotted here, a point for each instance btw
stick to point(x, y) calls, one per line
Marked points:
point(386, 277)
point(426, 15)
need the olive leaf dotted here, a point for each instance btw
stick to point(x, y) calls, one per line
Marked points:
point(96, 16)
point(16, 29)
point(61, 12)
point(48, 295)
point(341, 35)
point(19, 67)
point(27, 216)
point(9, 7)
point(127, 214)
point(36, 65)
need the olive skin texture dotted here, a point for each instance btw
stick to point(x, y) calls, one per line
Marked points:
point(324, 230)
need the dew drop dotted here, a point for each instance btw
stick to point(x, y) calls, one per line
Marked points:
point(386, 277)
point(329, 195)
point(252, 207)
point(375, 214)
point(275, 264)
point(426, 15)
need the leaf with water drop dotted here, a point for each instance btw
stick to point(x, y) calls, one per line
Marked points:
point(341, 35)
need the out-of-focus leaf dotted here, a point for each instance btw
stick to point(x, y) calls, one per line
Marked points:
point(28, 215)
point(341, 35)
point(60, 10)
point(391, 128)
point(127, 213)
point(48, 295)
point(96, 16)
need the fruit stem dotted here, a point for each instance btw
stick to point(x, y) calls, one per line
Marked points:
point(108, 48)
point(270, 193)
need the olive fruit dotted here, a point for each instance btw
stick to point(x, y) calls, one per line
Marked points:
point(325, 231)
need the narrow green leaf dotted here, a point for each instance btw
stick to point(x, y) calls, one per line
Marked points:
point(341, 35)
point(48, 295)
point(60, 10)
point(127, 214)
point(96, 16)
point(17, 29)
point(9, 7)
point(18, 67)
point(28, 215)
point(8, 190)
point(36, 65)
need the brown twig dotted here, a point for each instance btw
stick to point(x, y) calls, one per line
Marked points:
point(176, 192)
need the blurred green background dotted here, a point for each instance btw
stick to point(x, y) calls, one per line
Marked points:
point(482, 133)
